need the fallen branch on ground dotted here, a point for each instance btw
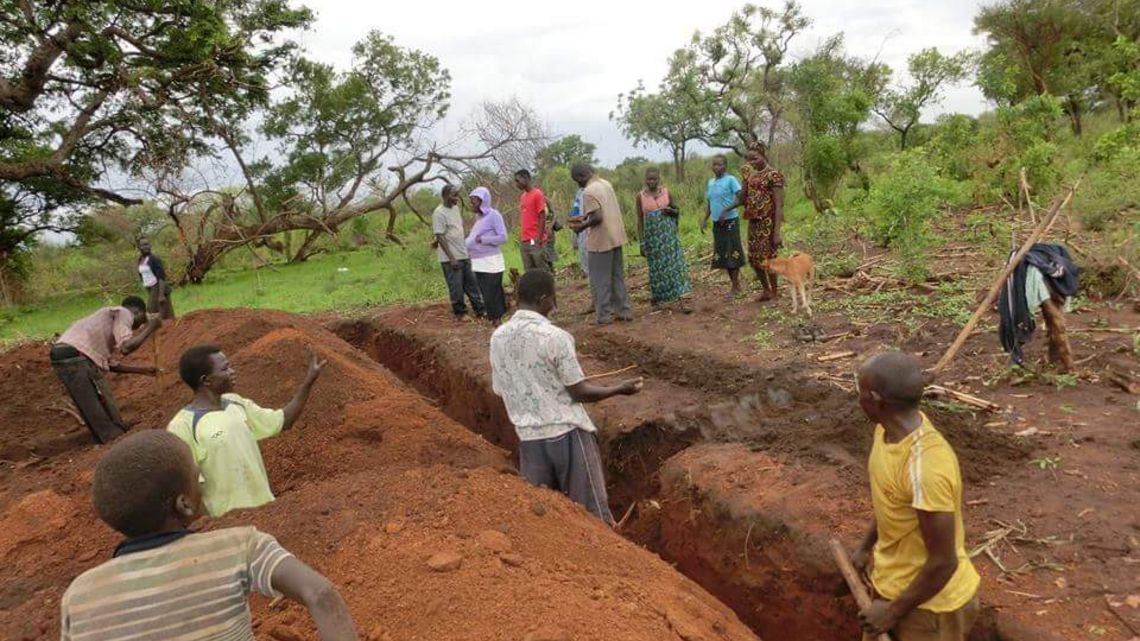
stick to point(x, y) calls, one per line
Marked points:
point(833, 337)
point(968, 399)
point(1120, 616)
point(1125, 382)
point(69, 412)
point(1107, 330)
point(836, 356)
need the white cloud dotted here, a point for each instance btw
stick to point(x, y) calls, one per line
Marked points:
point(571, 59)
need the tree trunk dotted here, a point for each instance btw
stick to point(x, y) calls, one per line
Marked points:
point(679, 163)
point(306, 249)
point(201, 262)
point(1074, 111)
point(811, 194)
point(1121, 113)
point(902, 138)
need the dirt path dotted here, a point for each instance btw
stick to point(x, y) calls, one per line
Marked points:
point(745, 451)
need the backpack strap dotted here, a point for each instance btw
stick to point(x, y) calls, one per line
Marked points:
point(198, 414)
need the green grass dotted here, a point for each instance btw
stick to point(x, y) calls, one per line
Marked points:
point(397, 275)
point(392, 275)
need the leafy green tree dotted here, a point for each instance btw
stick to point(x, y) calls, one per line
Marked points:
point(1039, 47)
point(930, 72)
point(348, 145)
point(832, 96)
point(674, 116)
point(91, 86)
point(742, 66)
point(566, 151)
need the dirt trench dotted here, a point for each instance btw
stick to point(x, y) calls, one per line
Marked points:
point(741, 495)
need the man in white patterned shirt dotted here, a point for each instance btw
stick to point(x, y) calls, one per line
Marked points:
point(166, 582)
point(534, 368)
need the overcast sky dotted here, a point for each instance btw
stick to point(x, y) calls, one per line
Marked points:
point(570, 60)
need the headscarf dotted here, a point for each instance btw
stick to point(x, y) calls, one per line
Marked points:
point(484, 196)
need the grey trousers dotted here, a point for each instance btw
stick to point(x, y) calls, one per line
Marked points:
point(607, 284)
point(570, 464)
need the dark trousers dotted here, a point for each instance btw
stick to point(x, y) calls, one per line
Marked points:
point(571, 464)
point(494, 299)
point(166, 309)
point(537, 257)
point(89, 391)
point(607, 284)
point(462, 281)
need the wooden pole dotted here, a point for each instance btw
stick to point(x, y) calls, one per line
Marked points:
point(995, 289)
point(155, 343)
point(613, 373)
point(854, 583)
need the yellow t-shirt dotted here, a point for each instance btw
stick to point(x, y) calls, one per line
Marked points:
point(224, 444)
point(918, 473)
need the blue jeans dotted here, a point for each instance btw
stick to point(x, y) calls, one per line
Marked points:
point(462, 281)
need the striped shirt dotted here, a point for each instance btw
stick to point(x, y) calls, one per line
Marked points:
point(193, 589)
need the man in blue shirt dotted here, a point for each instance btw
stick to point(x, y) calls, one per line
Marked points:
point(728, 252)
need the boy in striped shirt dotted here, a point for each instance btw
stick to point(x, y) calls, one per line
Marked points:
point(166, 582)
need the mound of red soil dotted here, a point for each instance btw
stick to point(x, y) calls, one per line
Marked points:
point(423, 526)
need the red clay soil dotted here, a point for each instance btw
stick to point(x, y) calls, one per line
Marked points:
point(372, 483)
point(1059, 463)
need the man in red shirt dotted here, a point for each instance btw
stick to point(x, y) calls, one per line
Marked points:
point(534, 221)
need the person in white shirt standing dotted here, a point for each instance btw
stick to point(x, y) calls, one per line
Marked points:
point(153, 275)
point(535, 369)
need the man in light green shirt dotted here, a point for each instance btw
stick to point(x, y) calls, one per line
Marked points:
point(222, 429)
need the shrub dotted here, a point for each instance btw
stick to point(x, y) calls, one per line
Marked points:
point(902, 204)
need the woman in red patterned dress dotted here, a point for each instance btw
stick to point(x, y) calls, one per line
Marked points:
point(762, 196)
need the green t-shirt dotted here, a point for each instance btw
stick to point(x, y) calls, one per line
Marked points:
point(224, 443)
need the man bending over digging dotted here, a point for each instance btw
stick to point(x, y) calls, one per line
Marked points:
point(222, 429)
point(534, 368)
point(92, 346)
point(166, 582)
point(926, 588)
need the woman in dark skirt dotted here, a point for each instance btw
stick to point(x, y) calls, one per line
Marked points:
point(484, 244)
point(720, 199)
point(153, 275)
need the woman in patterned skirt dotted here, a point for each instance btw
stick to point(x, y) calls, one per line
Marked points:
point(763, 199)
point(657, 228)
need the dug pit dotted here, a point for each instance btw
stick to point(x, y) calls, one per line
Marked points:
point(740, 494)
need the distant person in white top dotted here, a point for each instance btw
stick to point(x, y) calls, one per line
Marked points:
point(535, 369)
point(451, 246)
point(153, 275)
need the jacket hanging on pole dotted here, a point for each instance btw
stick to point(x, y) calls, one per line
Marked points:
point(1017, 319)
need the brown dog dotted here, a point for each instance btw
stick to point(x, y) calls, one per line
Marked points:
point(799, 271)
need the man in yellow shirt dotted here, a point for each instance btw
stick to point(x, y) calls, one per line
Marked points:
point(925, 584)
point(222, 429)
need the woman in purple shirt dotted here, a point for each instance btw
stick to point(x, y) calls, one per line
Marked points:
point(483, 245)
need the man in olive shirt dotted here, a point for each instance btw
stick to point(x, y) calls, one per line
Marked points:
point(601, 214)
point(447, 225)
